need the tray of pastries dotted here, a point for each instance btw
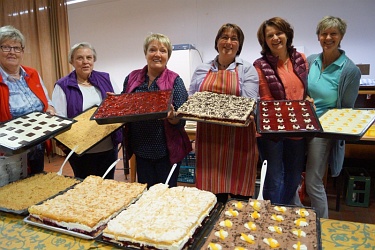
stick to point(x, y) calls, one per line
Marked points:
point(287, 118)
point(346, 124)
point(217, 108)
point(86, 133)
point(18, 196)
point(84, 210)
point(257, 224)
point(132, 107)
point(163, 218)
point(24, 132)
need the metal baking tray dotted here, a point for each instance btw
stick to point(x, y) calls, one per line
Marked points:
point(88, 127)
point(234, 124)
point(60, 230)
point(353, 122)
point(210, 226)
point(34, 130)
point(193, 242)
point(138, 106)
point(25, 211)
point(272, 114)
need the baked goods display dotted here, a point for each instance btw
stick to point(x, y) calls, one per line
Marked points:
point(163, 218)
point(287, 118)
point(257, 224)
point(217, 108)
point(18, 196)
point(87, 207)
point(134, 107)
point(86, 133)
point(346, 123)
point(26, 131)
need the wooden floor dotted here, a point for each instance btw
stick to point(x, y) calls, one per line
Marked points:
point(347, 213)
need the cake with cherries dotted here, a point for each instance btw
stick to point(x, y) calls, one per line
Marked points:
point(163, 218)
point(219, 108)
point(88, 206)
point(260, 225)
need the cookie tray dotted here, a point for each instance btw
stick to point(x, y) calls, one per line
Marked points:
point(27, 125)
point(193, 242)
point(137, 115)
point(58, 229)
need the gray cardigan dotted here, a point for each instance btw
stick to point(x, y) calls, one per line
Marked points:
point(346, 97)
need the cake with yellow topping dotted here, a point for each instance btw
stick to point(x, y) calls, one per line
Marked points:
point(88, 206)
point(163, 218)
point(261, 225)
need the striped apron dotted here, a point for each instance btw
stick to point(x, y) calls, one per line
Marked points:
point(226, 156)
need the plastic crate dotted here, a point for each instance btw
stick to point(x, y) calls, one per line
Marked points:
point(358, 187)
point(187, 169)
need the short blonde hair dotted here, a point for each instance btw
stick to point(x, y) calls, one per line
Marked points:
point(160, 38)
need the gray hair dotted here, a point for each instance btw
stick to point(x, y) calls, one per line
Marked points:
point(158, 37)
point(328, 22)
point(10, 33)
point(80, 46)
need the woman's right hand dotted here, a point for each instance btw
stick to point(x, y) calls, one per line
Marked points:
point(311, 100)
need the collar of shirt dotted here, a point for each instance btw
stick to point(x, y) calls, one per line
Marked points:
point(7, 78)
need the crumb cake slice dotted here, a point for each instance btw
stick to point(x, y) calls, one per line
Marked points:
point(218, 107)
point(163, 218)
point(89, 206)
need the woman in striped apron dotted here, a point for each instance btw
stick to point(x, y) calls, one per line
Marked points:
point(226, 156)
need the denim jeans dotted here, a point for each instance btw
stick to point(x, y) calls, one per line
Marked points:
point(285, 164)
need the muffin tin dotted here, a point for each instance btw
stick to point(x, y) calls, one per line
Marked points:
point(287, 118)
point(24, 132)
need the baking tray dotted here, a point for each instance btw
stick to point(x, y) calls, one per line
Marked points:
point(234, 124)
point(353, 123)
point(132, 107)
point(58, 229)
point(86, 133)
point(193, 242)
point(293, 117)
point(24, 132)
point(210, 226)
point(25, 211)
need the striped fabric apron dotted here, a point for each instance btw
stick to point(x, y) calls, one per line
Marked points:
point(226, 156)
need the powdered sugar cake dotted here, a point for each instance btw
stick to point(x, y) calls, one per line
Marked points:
point(217, 108)
point(163, 218)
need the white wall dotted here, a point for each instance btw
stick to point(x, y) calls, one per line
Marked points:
point(117, 28)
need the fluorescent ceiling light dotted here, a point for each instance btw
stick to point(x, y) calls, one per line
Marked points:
point(75, 1)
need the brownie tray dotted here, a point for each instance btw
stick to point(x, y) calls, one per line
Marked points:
point(193, 242)
point(287, 119)
point(24, 132)
point(133, 107)
point(82, 132)
point(346, 124)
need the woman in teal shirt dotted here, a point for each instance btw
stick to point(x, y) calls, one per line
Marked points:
point(333, 82)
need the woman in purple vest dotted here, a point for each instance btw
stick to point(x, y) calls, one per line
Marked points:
point(282, 76)
point(157, 144)
point(80, 90)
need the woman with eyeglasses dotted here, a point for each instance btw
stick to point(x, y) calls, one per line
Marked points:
point(21, 89)
point(226, 156)
point(282, 76)
point(81, 89)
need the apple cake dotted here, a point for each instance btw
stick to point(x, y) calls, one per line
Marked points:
point(163, 218)
point(217, 108)
point(88, 206)
point(19, 195)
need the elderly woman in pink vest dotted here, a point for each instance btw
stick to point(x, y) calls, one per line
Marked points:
point(282, 76)
point(157, 144)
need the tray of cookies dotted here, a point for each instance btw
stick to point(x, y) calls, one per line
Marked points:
point(86, 133)
point(24, 132)
point(291, 118)
point(132, 107)
point(346, 124)
point(222, 109)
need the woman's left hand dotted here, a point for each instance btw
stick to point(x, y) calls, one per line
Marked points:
point(172, 116)
point(51, 110)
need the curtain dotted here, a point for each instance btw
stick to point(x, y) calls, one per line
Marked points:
point(44, 23)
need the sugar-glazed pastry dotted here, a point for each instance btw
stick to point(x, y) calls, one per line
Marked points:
point(281, 126)
point(296, 126)
point(310, 126)
point(307, 120)
point(266, 127)
point(280, 120)
point(279, 114)
point(266, 120)
point(293, 119)
point(290, 108)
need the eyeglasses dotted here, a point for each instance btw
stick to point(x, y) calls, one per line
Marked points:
point(9, 48)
